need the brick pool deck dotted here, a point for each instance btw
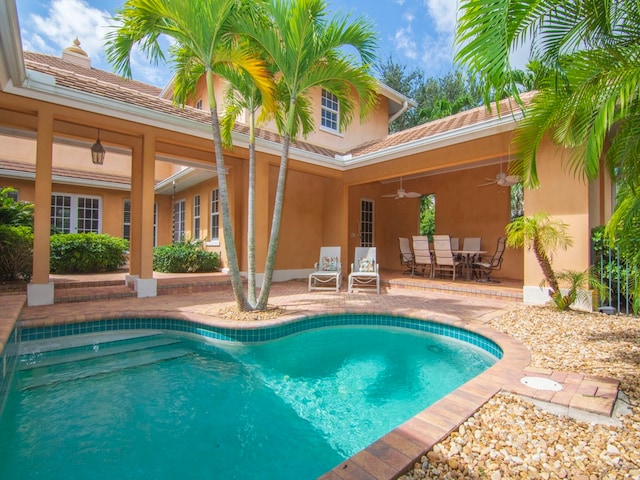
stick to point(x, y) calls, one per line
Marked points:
point(397, 451)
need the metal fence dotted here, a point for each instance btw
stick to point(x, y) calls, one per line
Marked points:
point(619, 271)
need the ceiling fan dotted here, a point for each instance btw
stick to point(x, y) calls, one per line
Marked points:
point(401, 193)
point(502, 179)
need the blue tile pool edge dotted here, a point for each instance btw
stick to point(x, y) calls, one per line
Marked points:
point(262, 333)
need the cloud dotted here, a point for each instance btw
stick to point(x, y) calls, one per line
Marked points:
point(443, 15)
point(403, 39)
point(64, 21)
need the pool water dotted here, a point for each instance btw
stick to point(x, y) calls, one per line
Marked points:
point(168, 407)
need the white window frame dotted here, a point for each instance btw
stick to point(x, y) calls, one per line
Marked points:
point(74, 212)
point(214, 218)
point(367, 222)
point(196, 217)
point(126, 219)
point(329, 112)
point(155, 224)
point(179, 220)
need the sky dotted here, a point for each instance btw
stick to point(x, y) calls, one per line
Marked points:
point(414, 33)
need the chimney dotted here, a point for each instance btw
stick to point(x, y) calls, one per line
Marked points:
point(76, 55)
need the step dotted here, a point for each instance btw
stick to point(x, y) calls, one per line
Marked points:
point(68, 372)
point(85, 294)
point(83, 340)
point(94, 351)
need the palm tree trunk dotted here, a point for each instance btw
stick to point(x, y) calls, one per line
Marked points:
point(251, 236)
point(227, 230)
point(545, 265)
point(275, 227)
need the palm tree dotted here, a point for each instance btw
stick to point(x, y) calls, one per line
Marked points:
point(588, 96)
point(544, 236)
point(310, 51)
point(205, 42)
point(243, 95)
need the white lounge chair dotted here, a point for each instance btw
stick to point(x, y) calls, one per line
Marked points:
point(327, 274)
point(365, 271)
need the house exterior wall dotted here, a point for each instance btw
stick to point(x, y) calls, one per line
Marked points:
point(565, 197)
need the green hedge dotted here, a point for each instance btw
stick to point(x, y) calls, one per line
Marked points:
point(16, 253)
point(87, 253)
point(185, 257)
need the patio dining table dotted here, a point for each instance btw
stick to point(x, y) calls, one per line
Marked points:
point(467, 256)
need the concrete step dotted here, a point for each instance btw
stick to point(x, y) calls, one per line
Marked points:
point(64, 294)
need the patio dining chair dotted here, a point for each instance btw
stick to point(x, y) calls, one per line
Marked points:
point(406, 255)
point(327, 274)
point(422, 254)
point(445, 261)
point(365, 271)
point(484, 267)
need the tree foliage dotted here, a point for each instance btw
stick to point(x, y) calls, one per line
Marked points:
point(436, 98)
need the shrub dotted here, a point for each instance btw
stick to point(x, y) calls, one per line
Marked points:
point(87, 253)
point(12, 212)
point(184, 257)
point(16, 253)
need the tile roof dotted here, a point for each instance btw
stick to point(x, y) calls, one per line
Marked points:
point(113, 87)
point(66, 172)
point(451, 123)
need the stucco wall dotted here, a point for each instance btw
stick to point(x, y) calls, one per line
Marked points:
point(566, 197)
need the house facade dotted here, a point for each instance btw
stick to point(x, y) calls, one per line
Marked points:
point(158, 183)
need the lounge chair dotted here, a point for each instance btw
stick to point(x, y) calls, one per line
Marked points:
point(365, 271)
point(445, 260)
point(327, 274)
point(406, 255)
point(422, 254)
point(485, 266)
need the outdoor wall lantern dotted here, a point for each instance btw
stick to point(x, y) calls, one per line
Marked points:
point(97, 152)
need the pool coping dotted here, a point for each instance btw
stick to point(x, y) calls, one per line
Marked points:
point(397, 451)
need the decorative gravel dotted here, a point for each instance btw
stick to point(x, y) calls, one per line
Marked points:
point(510, 438)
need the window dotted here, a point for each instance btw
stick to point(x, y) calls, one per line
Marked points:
point(330, 111)
point(155, 224)
point(215, 215)
point(366, 223)
point(428, 215)
point(179, 211)
point(13, 194)
point(126, 220)
point(517, 201)
point(196, 217)
point(75, 214)
point(199, 104)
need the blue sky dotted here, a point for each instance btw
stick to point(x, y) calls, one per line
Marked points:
point(416, 33)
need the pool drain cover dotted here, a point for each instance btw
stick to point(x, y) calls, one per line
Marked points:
point(540, 383)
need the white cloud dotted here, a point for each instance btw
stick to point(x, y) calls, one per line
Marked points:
point(64, 21)
point(443, 14)
point(403, 39)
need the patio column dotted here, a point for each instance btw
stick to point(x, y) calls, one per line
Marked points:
point(136, 212)
point(142, 207)
point(40, 290)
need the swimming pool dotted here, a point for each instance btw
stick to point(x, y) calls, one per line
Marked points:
point(292, 407)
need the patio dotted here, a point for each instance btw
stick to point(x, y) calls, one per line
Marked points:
point(442, 422)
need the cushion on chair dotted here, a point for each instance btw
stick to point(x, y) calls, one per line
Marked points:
point(329, 264)
point(366, 265)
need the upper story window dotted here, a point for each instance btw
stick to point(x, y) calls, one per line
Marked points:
point(199, 104)
point(330, 111)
